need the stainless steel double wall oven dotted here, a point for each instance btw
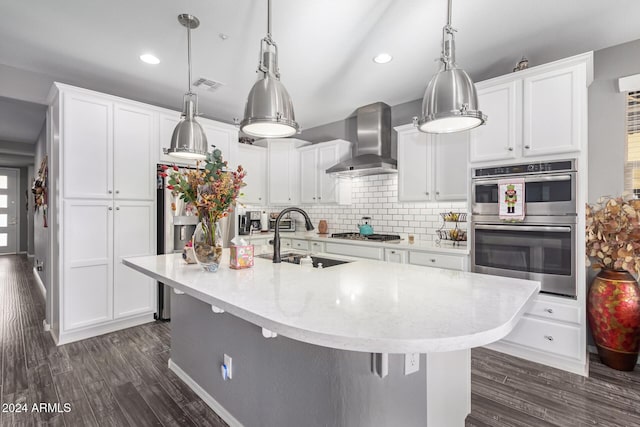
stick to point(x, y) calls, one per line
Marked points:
point(543, 246)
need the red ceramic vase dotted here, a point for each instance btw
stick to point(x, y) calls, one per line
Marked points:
point(613, 309)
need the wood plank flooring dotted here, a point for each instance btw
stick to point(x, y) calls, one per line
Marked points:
point(122, 379)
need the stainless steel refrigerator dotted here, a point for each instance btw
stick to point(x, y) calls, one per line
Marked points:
point(175, 229)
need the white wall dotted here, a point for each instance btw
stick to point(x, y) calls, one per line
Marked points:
point(30, 240)
point(40, 233)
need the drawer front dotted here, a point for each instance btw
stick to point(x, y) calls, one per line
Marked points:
point(285, 243)
point(302, 245)
point(316, 246)
point(430, 259)
point(560, 339)
point(555, 311)
point(356, 251)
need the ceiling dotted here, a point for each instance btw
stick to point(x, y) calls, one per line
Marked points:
point(326, 47)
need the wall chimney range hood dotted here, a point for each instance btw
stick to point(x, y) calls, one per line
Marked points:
point(372, 153)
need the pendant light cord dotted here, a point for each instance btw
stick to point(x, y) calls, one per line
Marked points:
point(189, 56)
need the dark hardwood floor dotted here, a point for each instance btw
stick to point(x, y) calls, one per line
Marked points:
point(122, 379)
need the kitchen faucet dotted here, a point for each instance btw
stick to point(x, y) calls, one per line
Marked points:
point(276, 237)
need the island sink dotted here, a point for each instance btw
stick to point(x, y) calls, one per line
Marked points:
point(294, 258)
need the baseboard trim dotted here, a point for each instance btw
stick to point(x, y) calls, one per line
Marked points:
point(575, 366)
point(206, 397)
point(95, 330)
point(43, 290)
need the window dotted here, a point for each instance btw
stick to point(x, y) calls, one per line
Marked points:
point(632, 165)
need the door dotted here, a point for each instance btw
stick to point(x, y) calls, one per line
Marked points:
point(87, 286)
point(309, 170)
point(553, 110)
point(134, 235)
point(450, 166)
point(134, 153)
point(9, 182)
point(414, 176)
point(254, 161)
point(498, 138)
point(87, 147)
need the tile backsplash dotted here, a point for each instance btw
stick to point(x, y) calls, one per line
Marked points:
point(377, 196)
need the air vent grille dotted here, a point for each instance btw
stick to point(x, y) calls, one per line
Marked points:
point(209, 85)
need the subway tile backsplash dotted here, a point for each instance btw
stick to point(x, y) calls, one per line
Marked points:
point(377, 196)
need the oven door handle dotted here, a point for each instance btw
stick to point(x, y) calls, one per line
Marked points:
point(538, 178)
point(523, 228)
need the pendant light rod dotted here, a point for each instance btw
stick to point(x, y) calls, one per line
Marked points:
point(269, 19)
point(189, 58)
point(449, 13)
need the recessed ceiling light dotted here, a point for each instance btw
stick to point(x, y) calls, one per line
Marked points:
point(149, 59)
point(382, 58)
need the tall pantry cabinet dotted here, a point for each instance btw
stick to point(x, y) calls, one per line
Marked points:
point(102, 207)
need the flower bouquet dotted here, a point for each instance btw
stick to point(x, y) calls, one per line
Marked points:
point(213, 190)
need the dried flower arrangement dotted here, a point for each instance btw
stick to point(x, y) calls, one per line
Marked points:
point(613, 233)
point(212, 189)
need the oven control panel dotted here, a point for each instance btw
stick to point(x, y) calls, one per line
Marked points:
point(529, 168)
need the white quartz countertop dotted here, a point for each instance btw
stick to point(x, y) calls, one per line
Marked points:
point(444, 247)
point(365, 305)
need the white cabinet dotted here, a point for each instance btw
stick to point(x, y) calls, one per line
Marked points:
point(316, 186)
point(108, 148)
point(496, 140)
point(316, 247)
point(450, 166)
point(87, 148)
point(105, 161)
point(370, 252)
point(87, 291)
point(554, 106)
point(430, 259)
point(397, 256)
point(283, 166)
point(431, 167)
point(254, 160)
point(135, 142)
point(537, 112)
point(221, 135)
point(300, 244)
point(133, 292)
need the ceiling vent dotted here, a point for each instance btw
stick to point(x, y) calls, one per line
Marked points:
point(209, 85)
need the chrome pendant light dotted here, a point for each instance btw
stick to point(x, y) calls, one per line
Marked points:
point(269, 110)
point(450, 103)
point(189, 140)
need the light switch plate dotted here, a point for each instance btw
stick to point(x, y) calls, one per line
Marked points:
point(228, 361)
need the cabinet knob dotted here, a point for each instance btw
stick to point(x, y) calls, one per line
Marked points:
point(319, 198)
point(432, 260)
point(548, 337)
point(259, 198)
point(393, 252)
point(549, 310)
point(117, 191)
point(110, 208)
point(289, 198)
point(437, 193)
point(117, 208)
point(314, 198)
point(527, 147)
point(510, 148)
point(110, 192)
point(427, 193)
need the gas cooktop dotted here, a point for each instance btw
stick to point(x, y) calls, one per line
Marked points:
point(372, 237)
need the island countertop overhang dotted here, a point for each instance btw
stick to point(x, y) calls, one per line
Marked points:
point(365, 305)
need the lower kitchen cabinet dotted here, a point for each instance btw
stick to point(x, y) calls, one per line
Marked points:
point(430, 259)
point(370, 252)
point(397, 256)
point(98, 293)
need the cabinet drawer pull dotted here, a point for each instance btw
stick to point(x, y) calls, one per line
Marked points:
point(314, 198)
point(117, 191)
point(510, 148)
point(393, 252)
point(432, 260)
point(437, 193)
point(110, 192)
point(110, 208)
point(527, 147)
point(427, 193)
point(549, 310)
point(117, 208)
point(319, 198)
point(548, 337)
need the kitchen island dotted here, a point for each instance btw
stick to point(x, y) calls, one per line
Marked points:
point(326, 347)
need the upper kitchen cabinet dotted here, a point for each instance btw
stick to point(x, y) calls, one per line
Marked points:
point(135, 140)
point(254, 160)
point(539, 112)
point(108, 147)
point(221, 135)
point(283, 167)
point(431, 167)
point(316, 186)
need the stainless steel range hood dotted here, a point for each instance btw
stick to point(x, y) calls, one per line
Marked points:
point(372, 154)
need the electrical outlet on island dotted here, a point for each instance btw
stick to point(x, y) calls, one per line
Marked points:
point(411, 363)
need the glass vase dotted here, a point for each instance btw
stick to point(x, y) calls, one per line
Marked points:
point(207, 245)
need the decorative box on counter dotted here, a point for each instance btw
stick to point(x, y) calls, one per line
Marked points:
point(241, 257)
